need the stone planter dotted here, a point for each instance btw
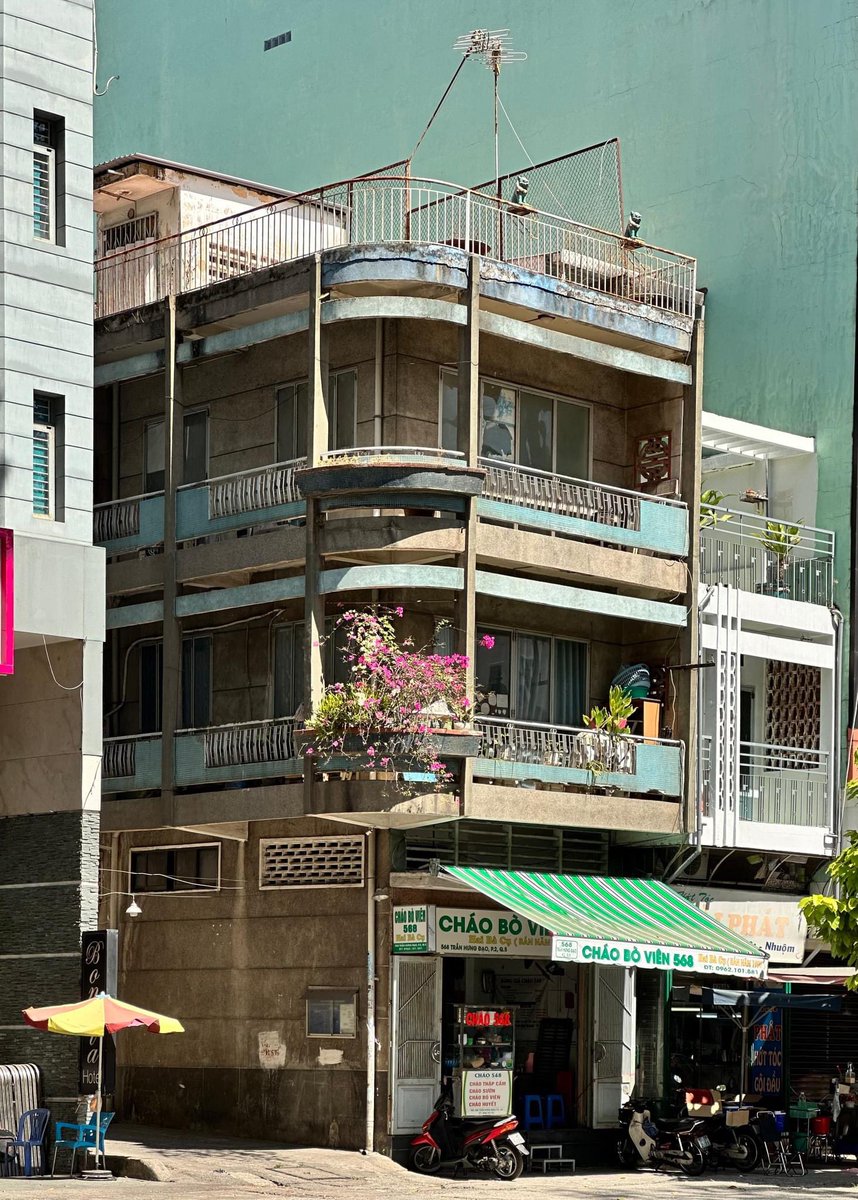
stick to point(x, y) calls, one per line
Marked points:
point(445, 743)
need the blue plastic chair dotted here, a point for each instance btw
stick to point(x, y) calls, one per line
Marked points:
point(532, 1117)
point(79, 1137)
point(32, 1127)
point(555, 1111)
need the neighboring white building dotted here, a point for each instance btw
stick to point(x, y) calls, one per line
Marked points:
point(770, 639)
point(50, 695)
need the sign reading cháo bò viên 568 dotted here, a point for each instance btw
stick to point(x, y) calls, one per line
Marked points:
point(658, 958)
point(490, 931)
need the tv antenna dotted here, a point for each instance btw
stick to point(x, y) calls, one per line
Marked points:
point(493, 47)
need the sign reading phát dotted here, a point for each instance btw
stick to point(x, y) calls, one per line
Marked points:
point(657, 958)
point(486, 1093)
point(774, 923)
point(413, 929)
point(490, 931)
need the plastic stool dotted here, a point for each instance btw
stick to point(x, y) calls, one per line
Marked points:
point(533, 1117)
point(555, 1112)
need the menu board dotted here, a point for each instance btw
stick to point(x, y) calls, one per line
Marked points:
point(486, 1093)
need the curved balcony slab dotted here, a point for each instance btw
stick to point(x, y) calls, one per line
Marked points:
point(382, 479)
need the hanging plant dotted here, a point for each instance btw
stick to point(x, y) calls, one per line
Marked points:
point(400, 709)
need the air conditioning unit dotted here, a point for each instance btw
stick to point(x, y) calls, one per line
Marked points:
point(698, 870)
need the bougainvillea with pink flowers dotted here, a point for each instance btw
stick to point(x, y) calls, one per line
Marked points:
point(396, 700)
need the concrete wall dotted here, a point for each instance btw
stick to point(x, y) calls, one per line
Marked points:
point(235, 965)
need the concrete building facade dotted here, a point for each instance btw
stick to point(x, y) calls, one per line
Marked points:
point(50, 729)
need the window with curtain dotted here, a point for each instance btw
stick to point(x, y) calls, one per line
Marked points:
point(533, 429)
point(531, 677)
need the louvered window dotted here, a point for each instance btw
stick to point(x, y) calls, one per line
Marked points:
point(311, 862)
point(44, 180)
point(44, 443)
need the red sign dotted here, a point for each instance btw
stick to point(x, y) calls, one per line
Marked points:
point(488, 1017)
point(7, 595)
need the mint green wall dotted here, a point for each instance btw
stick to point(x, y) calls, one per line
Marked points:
point(738, 123)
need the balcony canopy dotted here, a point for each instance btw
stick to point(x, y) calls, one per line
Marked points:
point(726, 435)
point(619, 922)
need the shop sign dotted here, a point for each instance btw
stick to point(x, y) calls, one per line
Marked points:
point(490, 931)
point(658, 958)
point(774, 923)
point(767, 1058)
point(413, 929)
point(486, 1093)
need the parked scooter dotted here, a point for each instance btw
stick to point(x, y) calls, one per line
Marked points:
point(730, 1146)
point(679, 1143)
point(494, 1147)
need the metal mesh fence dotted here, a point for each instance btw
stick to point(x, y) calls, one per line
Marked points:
point(585, 186)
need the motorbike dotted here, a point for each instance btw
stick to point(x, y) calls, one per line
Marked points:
point(734, 1146)
point(494, 1147)
point(679, 1143)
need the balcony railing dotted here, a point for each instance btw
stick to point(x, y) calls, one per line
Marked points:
point(706, 775)
point(523, 750)
point(234, 753)
point(396, 454)
point(387, 209)
point(131, 764)
point(265, 493)
point(737, 550)
point(783, 785)
point(132, 523)
point(581, 508)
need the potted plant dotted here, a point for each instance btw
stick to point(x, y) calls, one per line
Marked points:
point(606, 746)
point(401, 710)
point(779, 539)
point(710, 514)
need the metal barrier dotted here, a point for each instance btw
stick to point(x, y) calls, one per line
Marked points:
point(20, 1090)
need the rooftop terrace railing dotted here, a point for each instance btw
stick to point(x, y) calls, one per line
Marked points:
point(772, 558)
point(396, 210)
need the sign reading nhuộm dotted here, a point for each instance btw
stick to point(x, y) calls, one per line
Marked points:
point(657, 958)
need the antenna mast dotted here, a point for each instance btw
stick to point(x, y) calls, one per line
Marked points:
point(492, 45)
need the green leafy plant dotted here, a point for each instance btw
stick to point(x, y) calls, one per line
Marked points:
point(710, 499)
point(780, 538)
point(835, 918)
point(614, 719)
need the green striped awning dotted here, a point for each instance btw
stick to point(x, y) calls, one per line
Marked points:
point(619, 922)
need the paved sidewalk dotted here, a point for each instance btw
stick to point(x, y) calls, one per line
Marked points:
point(187, 1166)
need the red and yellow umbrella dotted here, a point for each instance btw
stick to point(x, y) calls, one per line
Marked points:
point(94, 1018)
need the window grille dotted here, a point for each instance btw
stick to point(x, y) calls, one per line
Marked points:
point(128, 233)
point(311, 862)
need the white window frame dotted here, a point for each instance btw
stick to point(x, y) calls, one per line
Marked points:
point(49, 155)
point(518, 388)
point(323, 992)
point(51, 435)
point(193, 891)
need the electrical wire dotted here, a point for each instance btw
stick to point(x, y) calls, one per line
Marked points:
point(553, 196)
point(72, 687)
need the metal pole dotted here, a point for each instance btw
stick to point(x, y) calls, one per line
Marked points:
point(98, 1103)
point(370, 992)
point(745, 1027)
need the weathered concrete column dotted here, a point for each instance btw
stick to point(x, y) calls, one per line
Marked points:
point(469, 445)
point(171, 649)
point(688, 682)
point(317, 444)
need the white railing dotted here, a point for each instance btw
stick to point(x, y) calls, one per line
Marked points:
point(247, 491)
point(784, 785)
point(767, 556)
point(556, 746)
point(513, 484)
point(395, 454)
point(706, 774)
point(119, 755)
point(117, 518)
point(252, 742)
point(387, 209)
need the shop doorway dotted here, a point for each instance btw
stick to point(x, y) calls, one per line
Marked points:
point(416, 1048)
point(613, 1047)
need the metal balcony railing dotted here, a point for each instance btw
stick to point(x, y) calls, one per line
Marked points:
point(250, 742)
point(396, 454)
point(556, 746)
point(259, 488)
point(742, 550)
point(706, 774)
point(784, 785)
point(388, 209)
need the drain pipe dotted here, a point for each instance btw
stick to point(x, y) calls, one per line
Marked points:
point(378, 382)
point(370, 991)
point(698, 773)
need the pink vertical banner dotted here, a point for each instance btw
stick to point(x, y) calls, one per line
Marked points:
point(7, 602)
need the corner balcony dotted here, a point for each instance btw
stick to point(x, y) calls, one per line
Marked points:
point(405, 210)
point(421, 477)
point(236, 754)
point(741, 551)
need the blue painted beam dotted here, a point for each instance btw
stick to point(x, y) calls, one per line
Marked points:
point(561, 595)
point(135, 614)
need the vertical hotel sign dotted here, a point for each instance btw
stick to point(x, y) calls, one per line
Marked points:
point(98, 957)
point(7, 602)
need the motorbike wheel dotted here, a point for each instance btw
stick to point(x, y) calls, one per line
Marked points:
point(697, 1165)
point(426, 1160)
point(746, 1154)
point(627, 1154)
point(510, 1163)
